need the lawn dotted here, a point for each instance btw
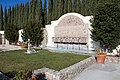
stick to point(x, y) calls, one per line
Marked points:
point(18, 60)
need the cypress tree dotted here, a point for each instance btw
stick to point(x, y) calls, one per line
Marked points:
point(45, 12)
point(33, 29)
point(9, 15)
point(92, 6)
point(56, 10)
point(17, 16)
point(50, 11)
point(69, 5)
point(12, 16)
point(87, 8)
point(77, 6)
point(15, 19)
point(21, 16)
point(60, 8)
point(5, 17)
point(1, 17)
point(38, 11)
point(65, 6)
point(31, 10)
point(26, 13)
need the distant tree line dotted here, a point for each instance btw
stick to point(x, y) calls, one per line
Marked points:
point(33, 12)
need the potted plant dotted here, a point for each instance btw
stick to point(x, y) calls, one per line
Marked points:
point(100, 56)
point(23, 44)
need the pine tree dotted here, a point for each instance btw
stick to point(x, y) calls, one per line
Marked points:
point(50, 9)
point(1, 18)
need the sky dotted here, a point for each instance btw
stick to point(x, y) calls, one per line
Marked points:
point(8, 3)
point(11, 3)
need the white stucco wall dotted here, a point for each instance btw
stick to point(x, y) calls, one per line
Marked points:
point(50, 30)
point(4, 41)
point(20, 34)
point(1, 32)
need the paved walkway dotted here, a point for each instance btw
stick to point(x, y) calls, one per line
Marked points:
point(96, 71)
point(9, 47)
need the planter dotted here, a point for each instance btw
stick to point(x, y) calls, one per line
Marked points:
point(23, 46)
point(34, 77)
point(101, 58)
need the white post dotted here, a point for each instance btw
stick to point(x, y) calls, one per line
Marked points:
point(3, 40)
point(28, 44)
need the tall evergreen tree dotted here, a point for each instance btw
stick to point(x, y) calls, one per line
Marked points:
point(83, 7)
point(1, 17)
point(12, 16)
point(69, 6)
point(50, 9)
point(65, 6)
point(21, 15)
point(77, 6)
point(31, 10)
point(33, 30)
point(17, 16)
point(60, 8)
point(87, 9)
point(5, 17)
point(45, 12)
point(92, 5)
point(9, 15)
point(26, 13)
point(38, 11)
point(15, 19)
point(56, 9)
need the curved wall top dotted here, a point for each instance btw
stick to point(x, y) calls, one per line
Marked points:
point(71, 25)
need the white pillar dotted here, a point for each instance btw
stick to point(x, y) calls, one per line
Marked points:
point(3, 40)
